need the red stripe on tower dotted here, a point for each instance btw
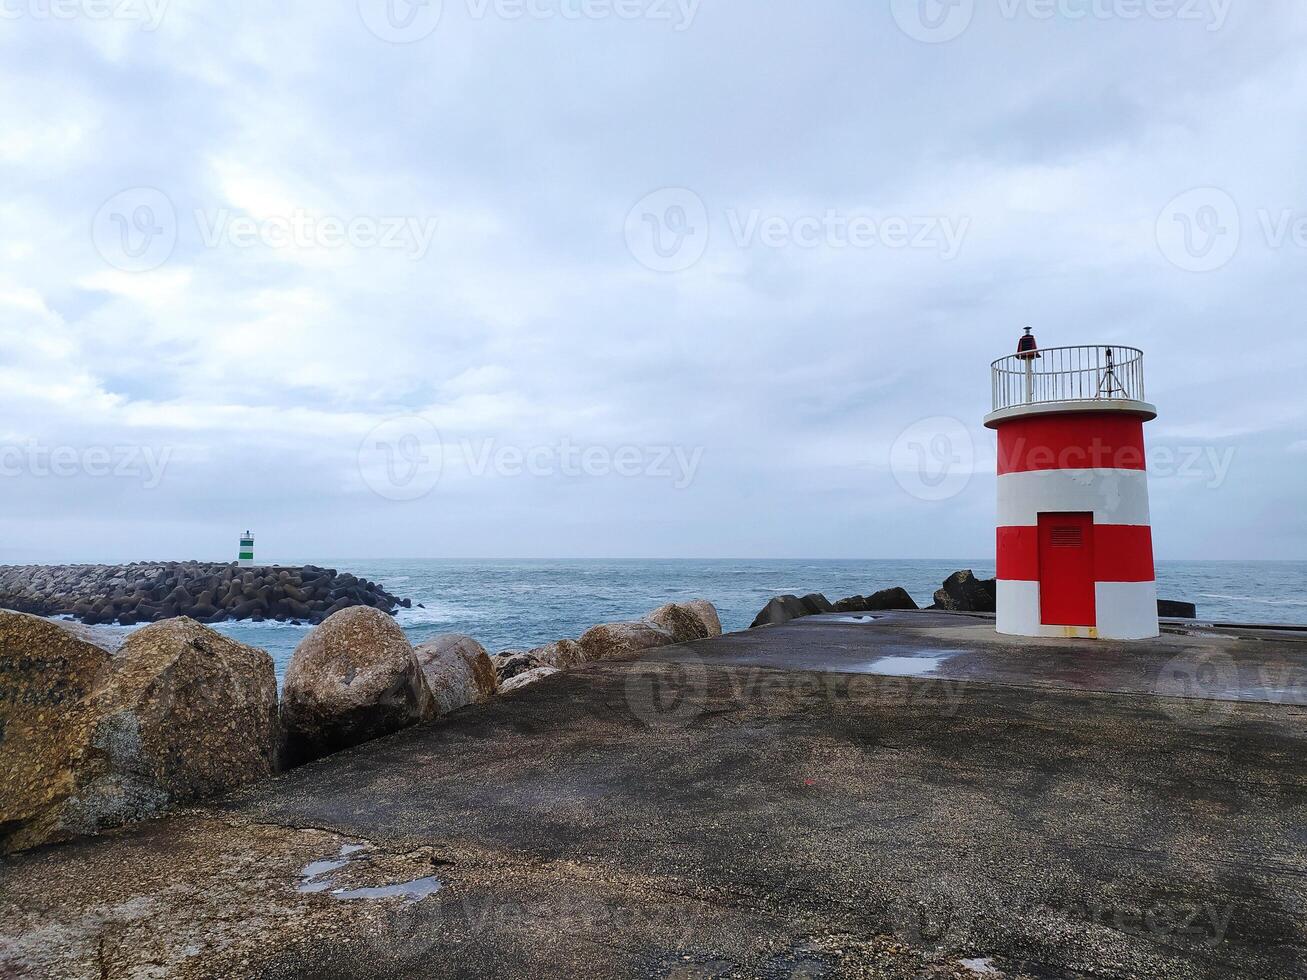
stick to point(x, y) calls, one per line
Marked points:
point(1087, 441)
point(1121, 553)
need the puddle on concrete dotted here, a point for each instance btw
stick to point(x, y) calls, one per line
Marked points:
point(317, 873)
point(414, 891)
point(856, 619)
point(317, 877)
point(314, 876)
point(908, 666)
point(982, 965)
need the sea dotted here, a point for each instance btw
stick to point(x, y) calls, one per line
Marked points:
point(522, 604)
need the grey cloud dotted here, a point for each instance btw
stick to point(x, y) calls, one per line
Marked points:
point(530, 321)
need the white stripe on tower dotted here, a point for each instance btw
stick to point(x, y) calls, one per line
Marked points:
point(1126, 610)
point(1115, 496)
point(1018, 607)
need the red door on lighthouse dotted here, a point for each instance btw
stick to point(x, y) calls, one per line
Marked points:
point(1066, 570)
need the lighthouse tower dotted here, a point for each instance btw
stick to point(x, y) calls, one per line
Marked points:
point(1075, 546)
point(245, 557)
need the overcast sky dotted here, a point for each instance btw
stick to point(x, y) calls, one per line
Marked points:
point(645, 278)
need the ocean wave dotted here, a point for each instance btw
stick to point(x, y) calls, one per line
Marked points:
point(405, 617)
point(423, 617)
point(266, 624)
point(1253, 598)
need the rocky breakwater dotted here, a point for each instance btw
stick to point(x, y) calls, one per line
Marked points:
point(356, 677)
point(93, 737)
point(675, 622)
point(783, 608)
point(960, 592)
point(207, 592)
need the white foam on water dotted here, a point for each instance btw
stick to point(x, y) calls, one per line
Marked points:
point(263, 624)
point(1252, 598)
point(982, 965)
point(422, 617)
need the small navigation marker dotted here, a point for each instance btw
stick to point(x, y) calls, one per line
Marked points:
point(246, 555)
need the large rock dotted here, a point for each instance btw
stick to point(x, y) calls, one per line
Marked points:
point(509, 663)
point(190, 712)
point(561, 654)
point(781, 609)
point(895, 598)
point(618, 641)
point(528, 677)
point(680, 621)
point(457, 671)
point(353, 678)
point(1176, 610)
point(51, 678)
point(707, 614)
point(963, 592)
point(815, 604)
point(93, 740)
point(885, 599)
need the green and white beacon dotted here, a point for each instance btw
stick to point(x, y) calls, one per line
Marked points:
point(246, 555)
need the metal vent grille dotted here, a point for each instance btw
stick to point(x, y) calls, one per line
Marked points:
point(1068, 536)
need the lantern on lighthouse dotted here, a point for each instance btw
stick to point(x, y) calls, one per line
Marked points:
point(1074, 543)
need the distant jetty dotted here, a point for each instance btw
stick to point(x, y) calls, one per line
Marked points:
point(211, 592)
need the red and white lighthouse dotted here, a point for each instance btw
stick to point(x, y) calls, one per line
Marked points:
point(1075, 545)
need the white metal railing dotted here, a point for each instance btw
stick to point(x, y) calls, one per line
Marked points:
point(1063, 374)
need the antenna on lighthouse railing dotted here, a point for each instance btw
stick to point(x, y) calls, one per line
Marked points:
point(1109, 384)
point(1028, 351)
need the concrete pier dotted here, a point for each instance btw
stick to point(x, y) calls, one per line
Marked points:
point(910, 796)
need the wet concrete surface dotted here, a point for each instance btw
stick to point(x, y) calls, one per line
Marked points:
point(720, 809)
point(1188, 660)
